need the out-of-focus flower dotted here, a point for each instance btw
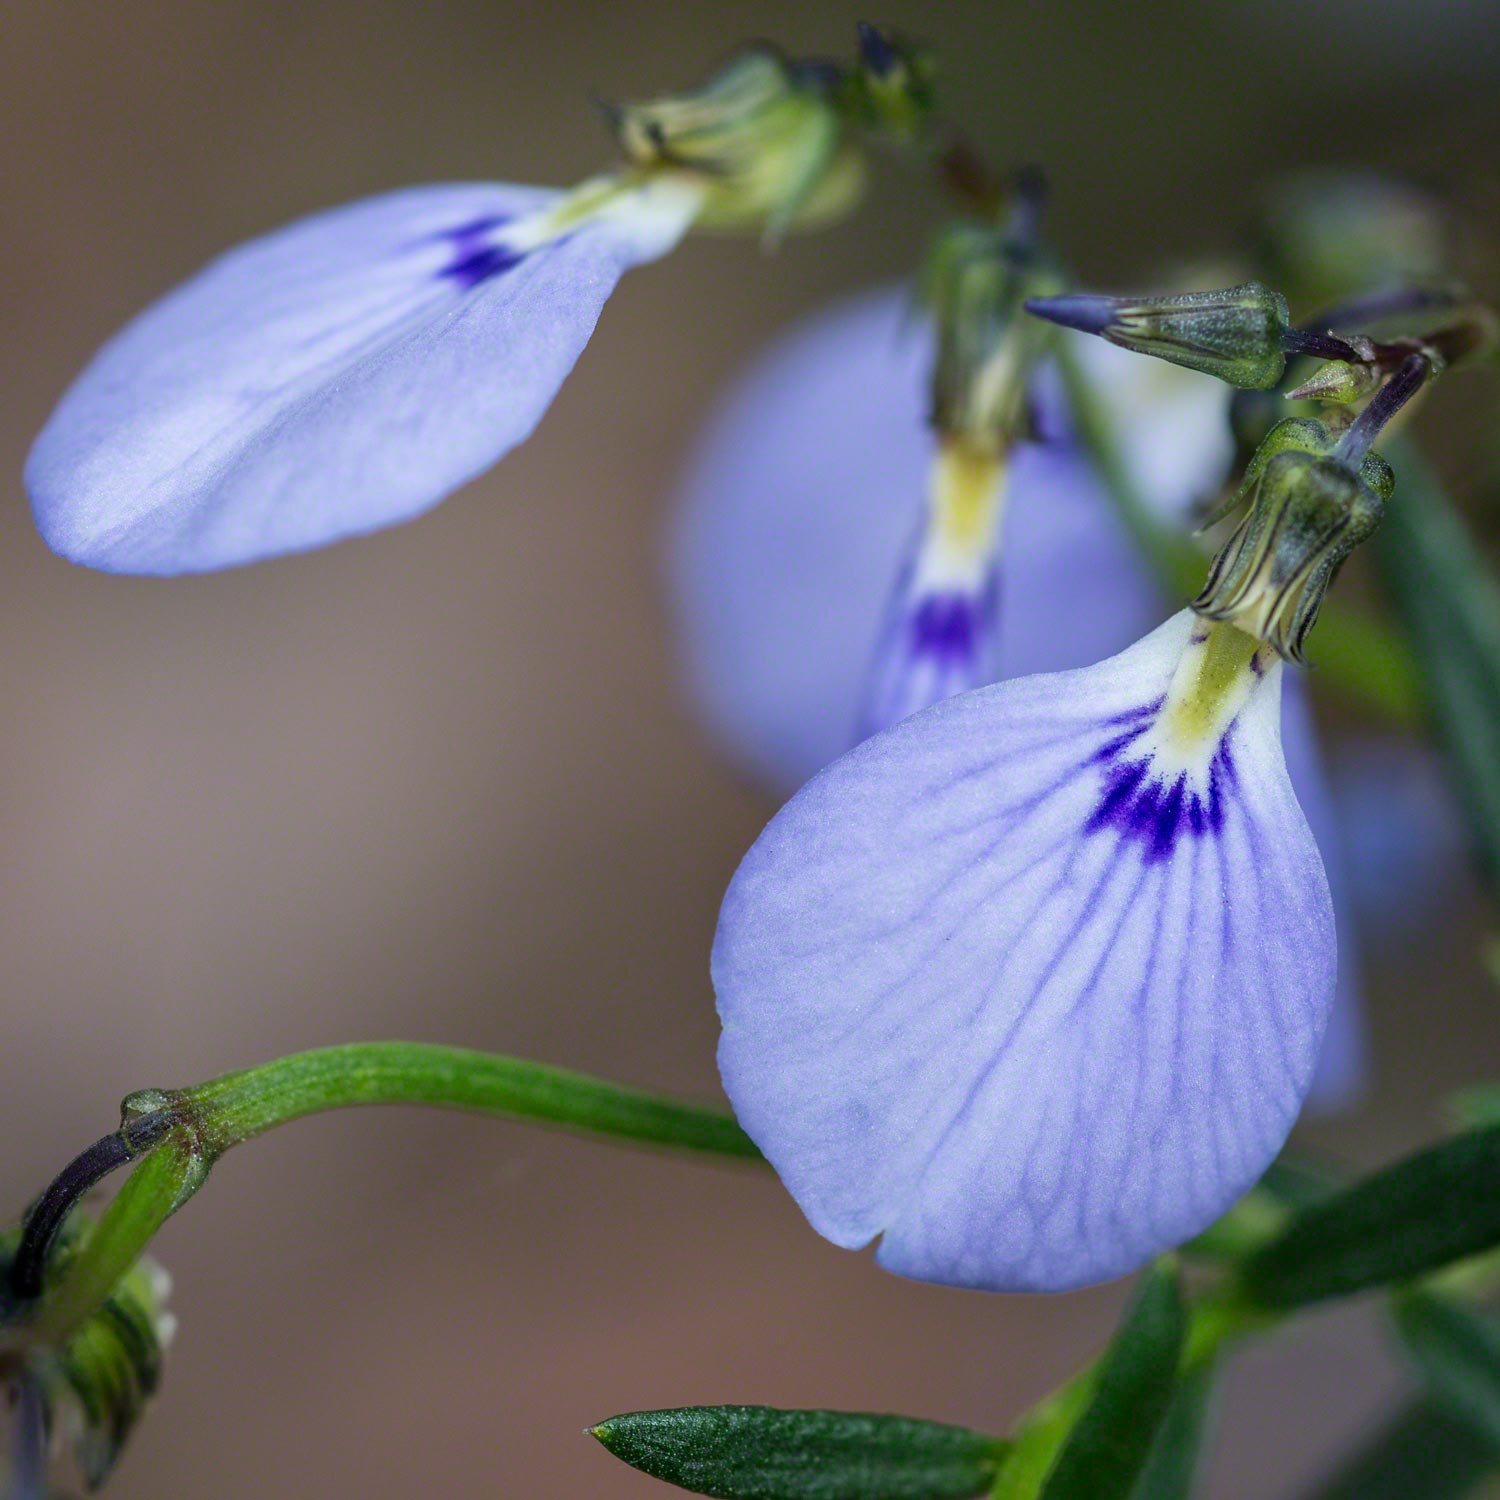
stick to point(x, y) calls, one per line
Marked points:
point(797, 516)
point(351, 370)
point(1033, 984)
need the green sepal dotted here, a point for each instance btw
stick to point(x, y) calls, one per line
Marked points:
point(1420, 1214)
point(763, 137)
point(1423, 1452)
point(1110, 1443)
point(1450, 602)
point(1456, 1351)
point(765, 1453)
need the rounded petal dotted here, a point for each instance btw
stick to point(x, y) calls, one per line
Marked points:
point(797, 515)
point(336, 376)
point(972, 1005)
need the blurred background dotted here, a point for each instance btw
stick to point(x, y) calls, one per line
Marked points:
point(439, 783)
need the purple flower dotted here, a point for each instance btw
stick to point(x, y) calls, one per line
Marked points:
point(1033, 984)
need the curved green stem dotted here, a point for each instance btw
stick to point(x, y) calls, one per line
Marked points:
point(178, 1134)
point(238, 1106)
point(162, 1181)
point(1354, 652)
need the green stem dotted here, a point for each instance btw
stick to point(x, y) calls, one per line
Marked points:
point(1217, 1321)
point(1368, 661)
point(238, 1106)
point(158, 1185)
point(179, 1134)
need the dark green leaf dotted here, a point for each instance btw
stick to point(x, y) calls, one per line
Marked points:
point(1422, 1454)
point(763, 1453)
point(1108, 1448)
point(1422, 1213)
point(1450, 602)
point(1172, 1464)
point(1456, 1351)
point(1262, 1213)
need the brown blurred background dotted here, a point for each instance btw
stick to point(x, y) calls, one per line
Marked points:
point(437, 783)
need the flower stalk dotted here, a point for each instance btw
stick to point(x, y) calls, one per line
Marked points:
point(182, 1132)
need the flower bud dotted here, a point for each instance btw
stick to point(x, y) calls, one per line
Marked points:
point(764, 136)
point(1309, 512)
point(1235, 334)
point(975, 282)
point(1338, 382)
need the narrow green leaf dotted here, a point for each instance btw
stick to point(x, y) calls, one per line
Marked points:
point(1420, 1214)
point(1172, 1464)
point(1450, 602)
point(1039, 1437)
point(1421, 1454)
point(1456, 1351)
point(1262, 1214)
point(763, 1453)
point(1108, 1447)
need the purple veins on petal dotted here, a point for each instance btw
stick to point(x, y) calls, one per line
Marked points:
point(1154, 808)
point(1023, 1054)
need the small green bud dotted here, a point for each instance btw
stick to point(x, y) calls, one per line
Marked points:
point(1235, 334)
point(1309, 512)
point(974, 284)
point(1342, 382)
point(764, 136)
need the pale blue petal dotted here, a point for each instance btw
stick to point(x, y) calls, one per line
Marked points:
point(1029, 1043)
point(798, 512)
point(339, 375)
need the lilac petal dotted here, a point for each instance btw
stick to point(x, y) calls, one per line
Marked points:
point(1032, 1015)
point(935, 643)
point(798, 513)
point(336, 376)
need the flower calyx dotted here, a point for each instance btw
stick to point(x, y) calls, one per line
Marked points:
point(1311, 503)
point(975, 284)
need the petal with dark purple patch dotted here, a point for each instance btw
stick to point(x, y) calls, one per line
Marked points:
point(336, 376)
point(1027, 1056)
